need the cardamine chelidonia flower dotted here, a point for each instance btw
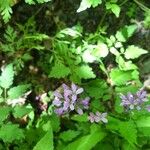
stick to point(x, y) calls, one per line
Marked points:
point(68, 99)
point(97, 117)
point(134, 101)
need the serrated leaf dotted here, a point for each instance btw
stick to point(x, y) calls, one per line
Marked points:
point(20, 111)
point(96, 88)
point(4, 112)
point(59, 71)
point(84, 72)
point(124, 34)
point(46, 141)
point(87, 4)
point(17, 91)
point(87, 142)
point(6, 11)
point(120, 77)
point(8, 131)
point(68, 135)
point(7, 76)
point(129, 132)
point(95, 3)
point(133, 52)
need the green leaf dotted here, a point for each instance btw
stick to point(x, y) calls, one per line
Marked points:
point(87, 4)
point(6, 10)
point(80, 118)
point(69, 135)
point(4, 112)
point(95, 3)
point(87, 142)
point(115, 9)
point(55, 122)
point(20, 111)
point(84, 72)
point(101, 50)
point(7, 76)
point(143, 122)
point(10, 133)
point(129, 132)
point(38, 1)
point(124, 34)
point(96, 88)
point(120, 77)
point(133, 52)
point(46, 141)
point(17, 91)
point(125, 65)
point(59, 70)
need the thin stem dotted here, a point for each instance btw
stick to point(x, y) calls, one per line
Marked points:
point(123, 2)
point(102, 20)
point(143, 7)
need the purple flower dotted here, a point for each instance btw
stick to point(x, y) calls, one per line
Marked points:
point(132, 101)
point(57, 102)
point(85, 102)
point(68, 99)
point(98, 117)
point(59, 111)
point(79, 111)
point(91, 117)
point(74, 91)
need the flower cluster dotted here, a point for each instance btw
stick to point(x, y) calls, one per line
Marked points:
point(98, 117)
point(134, 101)
point(68, 99)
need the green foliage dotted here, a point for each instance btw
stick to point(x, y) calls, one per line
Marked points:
point(124, 129)
point(34, 1)
point(84, 72)
point(17, 91)
point(46, 141)
point(6, 10)
point(97, 88)
point(88, 141)
point(59, 70)
point(20, 111)
point(7, 133)
point(106, 53)
point(4, 113)
point(133, 52)
point(87, 4)
point(69, 135)
point(120, 77)
point(114, 8)
point(7, 76)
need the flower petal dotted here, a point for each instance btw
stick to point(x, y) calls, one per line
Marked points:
point(73, 87)
point(56, 102)
point(71, 106)
point(57, 94)
point(79, 91)
point(59, 111)
point(74, 98)
point(79, 111)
